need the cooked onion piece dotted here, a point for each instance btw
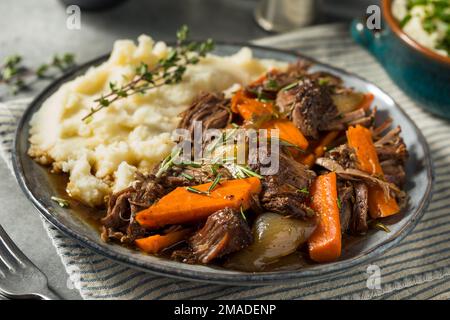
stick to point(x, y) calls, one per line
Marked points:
point(274, 236)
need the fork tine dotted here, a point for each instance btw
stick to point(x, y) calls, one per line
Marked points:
point(9, 251)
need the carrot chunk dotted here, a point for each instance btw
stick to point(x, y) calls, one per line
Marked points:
point(288, 132)
point(360, 139)
point(325, 243)
point(319, 149)
point(156, 243)
point(248, 107)
point(183, 206)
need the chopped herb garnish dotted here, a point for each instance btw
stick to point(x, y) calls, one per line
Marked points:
point(243, 214)
point(246, 172)
point(380, 226)
point(192, 164)
point(303, 190)
point(193, 190)
point(286, 143)
point(187, 176)
point(214, 183)
point(272, 84)
point(323, 81)
point(167, 162)
point(62, 202)
point(339, 203)
point(405, 20)
point(290, 86)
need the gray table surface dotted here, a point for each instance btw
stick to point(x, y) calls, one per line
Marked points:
point(37, 30)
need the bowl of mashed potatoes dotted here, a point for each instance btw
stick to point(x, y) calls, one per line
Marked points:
point(413, 45)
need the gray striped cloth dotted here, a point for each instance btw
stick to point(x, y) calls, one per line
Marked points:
point(416, 268)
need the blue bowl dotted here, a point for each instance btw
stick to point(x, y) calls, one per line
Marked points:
point(420, 72)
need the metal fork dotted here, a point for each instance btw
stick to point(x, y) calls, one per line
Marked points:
point(19, 277)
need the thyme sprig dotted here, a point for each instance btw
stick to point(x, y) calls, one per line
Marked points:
point(168, 70)
point(16, 75)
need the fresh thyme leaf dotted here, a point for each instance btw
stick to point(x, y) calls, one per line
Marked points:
point(193, 190)
point(215, 183)
point(62, 202)
point(192, 164)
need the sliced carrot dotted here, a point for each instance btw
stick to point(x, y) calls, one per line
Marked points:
point(156, 243)
point(366, 102)
point(319, 149)
point(360, 139)
point(325, 243)
point(183, 206)
point(288, 132)
point(249, 107)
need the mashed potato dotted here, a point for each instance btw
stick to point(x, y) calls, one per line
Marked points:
point(132, 134)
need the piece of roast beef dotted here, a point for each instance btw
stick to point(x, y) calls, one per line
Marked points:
point(224, 232)
point(309, 105)
point(287, 192)
point(343, 155)
point(122, 206)
point(358, 222)
point(212, 111)
point(352, 118)
point(276, 80)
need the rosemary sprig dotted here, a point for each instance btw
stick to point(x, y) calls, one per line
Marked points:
point(169, 70)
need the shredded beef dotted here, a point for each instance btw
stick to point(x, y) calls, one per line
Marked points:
point(224, 232)
point(358, 223)
point(211, 110)
point(287, 191)
point(345, 194)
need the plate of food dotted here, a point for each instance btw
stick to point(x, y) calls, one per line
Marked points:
point(223, 163)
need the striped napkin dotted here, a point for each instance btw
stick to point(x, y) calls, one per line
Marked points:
point(416, 268)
